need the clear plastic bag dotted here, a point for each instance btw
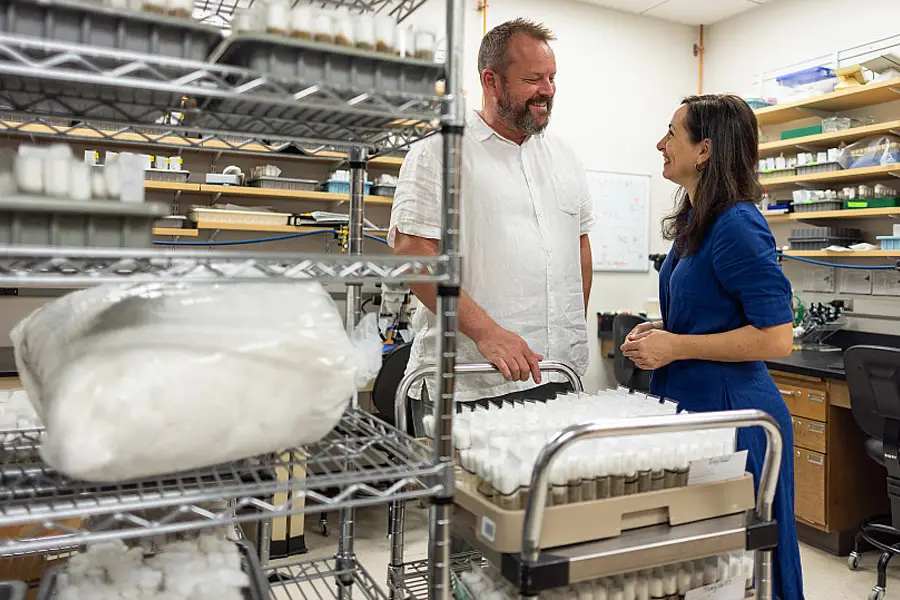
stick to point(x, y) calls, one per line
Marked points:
point(876, 151)
point(139, 380)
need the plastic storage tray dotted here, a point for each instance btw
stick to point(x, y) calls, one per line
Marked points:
point(213, 216)
point(384, 190)
point(824, 232)
point(889, 242)
point(36, 220)
point(790, 134)
point(858, 203)
point(284, 183)
point(763, 175)
point(333, 186)
point(309, 62)
point(818, 168)
point(257, 590)
point(171, 222)
point(821, 243)
point(93, 24)
point(818, 206)
point(166, 175)
point(501, 530)
point(805, 77)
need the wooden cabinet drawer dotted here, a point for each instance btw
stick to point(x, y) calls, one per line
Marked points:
point(804, 402)
point(809, 486)
point(809, 435)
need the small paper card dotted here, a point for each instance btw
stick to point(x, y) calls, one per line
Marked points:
point(719, 468)
point(730, 589)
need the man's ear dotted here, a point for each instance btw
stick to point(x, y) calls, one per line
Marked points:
point(490, 81)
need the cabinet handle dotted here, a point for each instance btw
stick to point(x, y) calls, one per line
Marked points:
point(798, 454)
point(815, 459)
point(817, 428)
point(798, 423)
point(816, 397)
point(789, 394)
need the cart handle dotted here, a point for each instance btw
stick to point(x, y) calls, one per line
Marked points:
point(402, 396)
point(537, 499)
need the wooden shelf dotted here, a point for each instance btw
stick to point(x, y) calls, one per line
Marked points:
point(828, 140)
point(862, 213)
point(169, 186)
point(261, 228)
point(112, 137)
point(251, 192)
point(177, 231)
point(845, 254)
point(845, 176)
point(835, 102)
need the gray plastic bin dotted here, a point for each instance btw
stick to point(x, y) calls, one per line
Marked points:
point(33, 220)
point(91, 24)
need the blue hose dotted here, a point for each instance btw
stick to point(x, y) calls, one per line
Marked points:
point(837, 266)
point(276, 238)
point(376, 238)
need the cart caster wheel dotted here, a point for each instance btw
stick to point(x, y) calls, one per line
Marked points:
point(323, 528)
point(277, 577)
point(877, 593)
point(853, 561)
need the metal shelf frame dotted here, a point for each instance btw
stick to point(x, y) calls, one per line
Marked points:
point(81, 93)
point(365, 460)
point(128, 90)
point(322, 579)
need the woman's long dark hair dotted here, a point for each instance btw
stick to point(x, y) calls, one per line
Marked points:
point(729, 176)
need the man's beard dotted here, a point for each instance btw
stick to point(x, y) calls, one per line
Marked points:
point(521, 117)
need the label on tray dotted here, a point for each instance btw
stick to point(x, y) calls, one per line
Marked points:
point(719, 468)
point(488, 529)
point(730, 589)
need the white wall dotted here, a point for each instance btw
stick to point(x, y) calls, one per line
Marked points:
point(768, 39)
point(616, 94)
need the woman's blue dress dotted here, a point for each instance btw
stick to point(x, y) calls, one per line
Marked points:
point(735, 280)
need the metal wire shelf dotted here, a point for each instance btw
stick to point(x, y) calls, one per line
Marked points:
point(363, 461)
point(22, 266)
point(219, 12)
point(192, 101)
point(415, 574)
point(320, 580)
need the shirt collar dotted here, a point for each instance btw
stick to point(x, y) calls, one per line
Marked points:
point(482, 131)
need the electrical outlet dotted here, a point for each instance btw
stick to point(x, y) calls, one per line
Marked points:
point(845, 303)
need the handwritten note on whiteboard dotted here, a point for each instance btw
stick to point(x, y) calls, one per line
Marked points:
point(620, 240)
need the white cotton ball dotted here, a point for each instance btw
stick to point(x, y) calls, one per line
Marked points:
point(232, 578)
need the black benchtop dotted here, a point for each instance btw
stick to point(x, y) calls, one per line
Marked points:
point(7, 363)
point(830, 365)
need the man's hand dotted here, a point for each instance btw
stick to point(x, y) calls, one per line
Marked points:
point(511, 354)
point(642, 330)
point(652, 349)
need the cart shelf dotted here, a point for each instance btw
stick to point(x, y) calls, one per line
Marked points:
point(24, 266)
point(414, 585)
point(361, 462)
point(318, 580)
point(634, 550)
point(120, 88)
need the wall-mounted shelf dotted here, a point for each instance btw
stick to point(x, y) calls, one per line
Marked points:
point(827, 140)
point(252, 192)
point(176, 231)
point(845, 176)
point(862, 213)
point(844, 254)
point(835, 102)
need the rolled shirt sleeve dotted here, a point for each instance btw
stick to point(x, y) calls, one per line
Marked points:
point(746, 265)
point(417, 200)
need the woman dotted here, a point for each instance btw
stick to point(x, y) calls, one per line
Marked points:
point(726, 304)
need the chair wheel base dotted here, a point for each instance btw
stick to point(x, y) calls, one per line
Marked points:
point(853, 561)
point(877, 593)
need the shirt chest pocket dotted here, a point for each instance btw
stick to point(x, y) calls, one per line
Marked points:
point(566, 189)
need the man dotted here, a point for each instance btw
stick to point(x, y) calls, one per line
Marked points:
point(525, 215)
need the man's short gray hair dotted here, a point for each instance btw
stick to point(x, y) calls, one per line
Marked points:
point(494, 51)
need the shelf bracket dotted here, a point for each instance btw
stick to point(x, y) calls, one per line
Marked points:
point(175, 207)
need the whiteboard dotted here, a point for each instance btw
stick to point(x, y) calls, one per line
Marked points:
point(620, 240)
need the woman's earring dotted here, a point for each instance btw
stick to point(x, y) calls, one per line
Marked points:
point(700, 167)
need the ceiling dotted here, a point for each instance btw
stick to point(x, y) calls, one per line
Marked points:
point(687, 12)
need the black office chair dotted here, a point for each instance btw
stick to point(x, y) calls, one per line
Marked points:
point(873, 377)
point(627, 373)
point(384, 390)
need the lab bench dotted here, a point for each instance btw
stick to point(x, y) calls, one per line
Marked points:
point(836, 484)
